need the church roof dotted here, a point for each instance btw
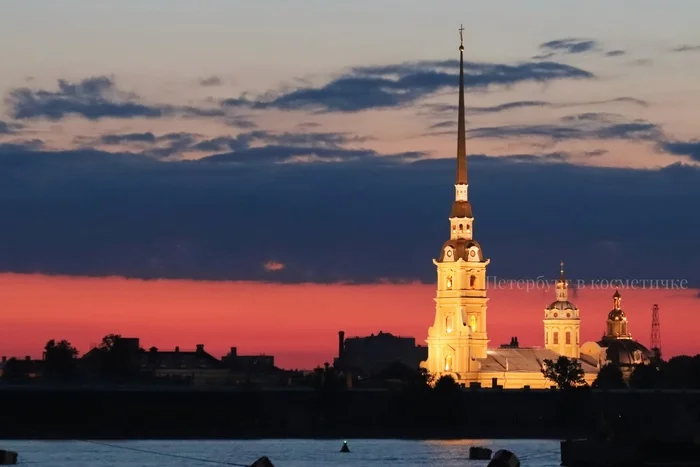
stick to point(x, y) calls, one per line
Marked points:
point(625, 352)
point(461, 248)
point(562, 305)
point(461, 209)
point(525, 359)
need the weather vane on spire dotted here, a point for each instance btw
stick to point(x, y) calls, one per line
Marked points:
point(461, 37)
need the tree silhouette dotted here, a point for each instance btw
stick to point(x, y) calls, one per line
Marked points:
point(645, 377)
point(682, 372)
point(446, 384)
point(60, 360)
point(564, 372)
point(108, 342)
point(609, 377)
point(447, 402)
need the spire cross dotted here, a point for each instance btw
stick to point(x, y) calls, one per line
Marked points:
point(461, 36)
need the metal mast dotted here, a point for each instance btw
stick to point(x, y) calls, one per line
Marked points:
point(655, 330)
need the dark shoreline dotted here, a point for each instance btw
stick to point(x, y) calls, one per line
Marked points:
point(132, 413)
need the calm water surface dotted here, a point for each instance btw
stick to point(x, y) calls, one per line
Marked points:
point(282, 453)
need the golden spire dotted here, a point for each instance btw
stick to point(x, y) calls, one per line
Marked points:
point(617, 298)
point(561, 283)
point(461, 131)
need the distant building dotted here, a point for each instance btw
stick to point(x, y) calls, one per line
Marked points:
point(372, 354)
point(248, 363)
point(196, 366)
point(20, 367)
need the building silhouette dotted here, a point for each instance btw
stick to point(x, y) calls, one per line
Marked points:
point(370, 355)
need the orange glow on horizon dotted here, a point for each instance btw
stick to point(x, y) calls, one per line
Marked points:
point(298, 324)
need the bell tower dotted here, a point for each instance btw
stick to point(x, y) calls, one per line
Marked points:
point(562, 325)
point(457, 339)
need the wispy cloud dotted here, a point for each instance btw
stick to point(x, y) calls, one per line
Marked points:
point(683, 148)
point(9, 128)
point(441, 110)
point(211, 81)
point(687, 48)
point(248, 146)
point(273, 266)
point(615, 53)
point(574, 46)
point(592, 125)
point(567, 46)
point(396, 85)
point(97, 98)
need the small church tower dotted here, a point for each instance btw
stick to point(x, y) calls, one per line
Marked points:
point(617, 320)
point(457, 339)
point(561, 321)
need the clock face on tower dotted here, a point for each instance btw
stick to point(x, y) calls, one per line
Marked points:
point(472, 253)
point(449, 253)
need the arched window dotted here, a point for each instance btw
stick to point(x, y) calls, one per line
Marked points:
point(449, 282)
point(472, 281)
point(448, 323)
point(472, 322)
point(568, 337)
point(448, 363)
point(555, 338)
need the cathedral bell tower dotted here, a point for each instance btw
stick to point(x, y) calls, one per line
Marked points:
point(562, 324)
point(457, 338)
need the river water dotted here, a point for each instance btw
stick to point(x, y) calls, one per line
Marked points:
point(282, 453)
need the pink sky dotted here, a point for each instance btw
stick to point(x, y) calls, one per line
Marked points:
point(298, 324)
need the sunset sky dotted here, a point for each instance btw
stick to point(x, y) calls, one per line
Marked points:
point(220, 171)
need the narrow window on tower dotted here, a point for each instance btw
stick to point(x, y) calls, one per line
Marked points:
point(448, 363)
point(449, 282)
point(546, 338)
point(568, 338)
point(448, 323)
point(472, 281)
point(555, 337)
point(472, 322)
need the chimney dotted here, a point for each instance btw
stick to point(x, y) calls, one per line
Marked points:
point(200, 348)
point(233, 352)
point(4, 359)
point(27, 358)
point(341, 344)
point(177, 349)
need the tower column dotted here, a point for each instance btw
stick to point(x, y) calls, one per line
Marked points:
point(458, 338)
